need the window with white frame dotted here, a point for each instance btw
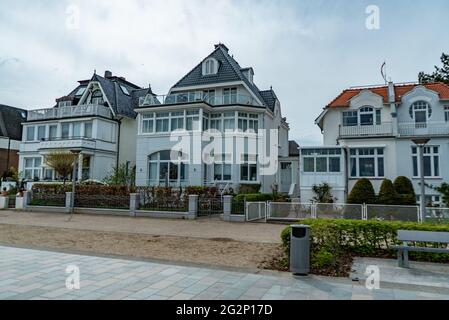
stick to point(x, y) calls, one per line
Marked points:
point(431, 162)
point(76, 130)
point(216, 121)
point(350, 118)
point(53, 132)
point(177, 120)
point(210, 66)
point(248, 122)
point(431, 200)
point(65, 130)
point(229, 95)
point(321, 160)
point(148, 123)
point(367, 162)
point(41, 130)
point(88, 129)
point(32, 168)
point(97, 97)
point(446, 113)
point(162, 168)
point(162, 121)
point(248, 170)
point(30, 136)
point(229, 121)
point(67, 103)
point(205, 121)
point(193, 120)
point(420, 111)
point(365, 116)
point(209, 96)
point(222, 167)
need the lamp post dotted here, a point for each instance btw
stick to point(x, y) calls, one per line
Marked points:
point(420, 143)
point(75, 161)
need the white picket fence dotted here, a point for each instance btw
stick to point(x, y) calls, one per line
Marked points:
point(293, 211)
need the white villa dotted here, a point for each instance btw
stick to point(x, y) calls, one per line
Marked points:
point(95, 119)
point(217, 94)
point(368, 132)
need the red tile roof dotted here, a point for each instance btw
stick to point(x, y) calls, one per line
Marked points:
point(400, 90)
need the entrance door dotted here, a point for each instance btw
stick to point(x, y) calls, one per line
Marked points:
point(286, 176)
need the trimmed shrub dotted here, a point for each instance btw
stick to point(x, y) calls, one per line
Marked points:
point(249, 188)
point(362, 192)
point(406, 192)
point(255, 197)
point(387, 194)
point(364, 238)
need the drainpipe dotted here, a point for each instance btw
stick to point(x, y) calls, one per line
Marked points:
point(346, 161)
point(119, 121)
point(393, 109)
point(7, 156)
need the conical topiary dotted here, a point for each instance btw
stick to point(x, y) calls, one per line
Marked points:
point(362, 192)
point(387, 194)
point(404, 188)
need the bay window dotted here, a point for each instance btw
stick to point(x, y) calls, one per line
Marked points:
point(367, 162)
point(222, 168)
point(177, 121)
point(32, 168)
point(321, 160)
point(162, 168)
point(229, 121)
point(162, 121)
point(215, 121)
point(148, 123)
point(229, 95)
point(193, 120)
point(248, 170)
point(431, 162)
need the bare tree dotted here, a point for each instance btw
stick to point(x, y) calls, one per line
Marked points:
point(61, 162)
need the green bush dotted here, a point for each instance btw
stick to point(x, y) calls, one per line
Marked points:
point(387, 194)
point(362, 192)
point(249, 188)
point(322, 259)
point(405, 191)
point(364, 238)
point(255, 197)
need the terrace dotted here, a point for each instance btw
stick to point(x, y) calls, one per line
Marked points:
point(69, 112)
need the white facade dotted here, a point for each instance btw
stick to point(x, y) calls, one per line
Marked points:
point(375, 127)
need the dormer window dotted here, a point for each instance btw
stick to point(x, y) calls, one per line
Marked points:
point(125, 91)
point(210, 66)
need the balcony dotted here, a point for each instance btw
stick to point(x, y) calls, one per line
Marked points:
point(73, 143)
point(69, 112)
point(192, 97)
point(423, 129)
point(381, 130)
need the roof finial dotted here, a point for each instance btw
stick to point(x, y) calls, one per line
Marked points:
point(271, 88)
point(95, 71)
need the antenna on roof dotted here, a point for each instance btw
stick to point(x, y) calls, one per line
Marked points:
point(383, 71)
point(95, 71)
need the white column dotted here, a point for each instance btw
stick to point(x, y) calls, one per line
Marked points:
point(80, 167)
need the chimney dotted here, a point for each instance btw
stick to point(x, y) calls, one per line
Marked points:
point(107, 74)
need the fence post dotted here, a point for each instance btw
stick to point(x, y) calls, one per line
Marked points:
point(227, 208)
point(27, 198)
point(133, 203)
point(68, 201)
point(313, 209)
point(420, 216)
point(364, 211)
point(4, 202)
point(193, 206)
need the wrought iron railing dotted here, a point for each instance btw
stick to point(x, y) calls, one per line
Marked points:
point(209, 206)
point(102, 201)
point(48, 199)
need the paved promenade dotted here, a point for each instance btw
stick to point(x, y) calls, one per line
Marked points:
point(35, 274)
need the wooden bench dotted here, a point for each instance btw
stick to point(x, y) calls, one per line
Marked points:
point(419, 236)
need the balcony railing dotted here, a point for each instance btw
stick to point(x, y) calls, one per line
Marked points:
point(68, 143)
point(190, 97)
point(69, 112)
point(384, 129)
point(418, 129)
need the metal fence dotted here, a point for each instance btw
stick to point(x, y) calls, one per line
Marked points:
point(163, 204)
point(256, 211)
point(102, 201)
point(209, 206)
point(393, 213)
point(11, 201)
point(437, 215)
point(339, 211)
point(238, 207)
point(48, 199)
point(289, 210)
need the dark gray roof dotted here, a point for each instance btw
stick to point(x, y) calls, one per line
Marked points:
point(229, 70)
point(136, 94)
point(269, 97)
point(293, 150)
point(11, 122)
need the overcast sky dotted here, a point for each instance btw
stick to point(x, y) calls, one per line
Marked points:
point(307, 50)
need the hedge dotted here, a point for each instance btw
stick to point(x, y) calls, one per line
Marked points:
point(88, 189)
point(364, 238)
point(254, 197)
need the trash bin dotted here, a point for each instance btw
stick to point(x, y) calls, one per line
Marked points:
point(300, 249)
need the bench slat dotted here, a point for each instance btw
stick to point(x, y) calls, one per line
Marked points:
point(421, 249)
point(423, 236)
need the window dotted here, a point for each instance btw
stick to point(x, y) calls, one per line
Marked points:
point(253, 123)
point(163, 169)
point(209, 96)
point(248, 122)
point(88, 130)
point(162, 123)
point(193, 120)
point(76, 130)
point(222, 169)
point(48, 174)
point(64, 103)
point(147, 123)
point(248, 170)
point(80, 91)
point(229, 121)
point(431, 162)
point(53, 132)
point(177, 120)
point(65, 130)
point(446, 113)
point(32, 168)
point(97, 97)
point(431, 201)
point(229, 95)
point(366, 116)
point(350, 118)
point(367, 162)
point(210, 66)
point(30, 133)
point(124, 89)
point(321, 160)
point(41, 133)
point(420, 111)
point(205, 121)
point(215, 121)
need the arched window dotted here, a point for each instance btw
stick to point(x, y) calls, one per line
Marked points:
point(420, 111)
point(167, 168)
point(97, 97)
point(210, 66)
point(366, 115)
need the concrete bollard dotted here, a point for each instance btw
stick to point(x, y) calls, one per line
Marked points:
point(193, 206)
point(227, 208)
point(4, 202)
point(134, 200)
point(68, 201)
